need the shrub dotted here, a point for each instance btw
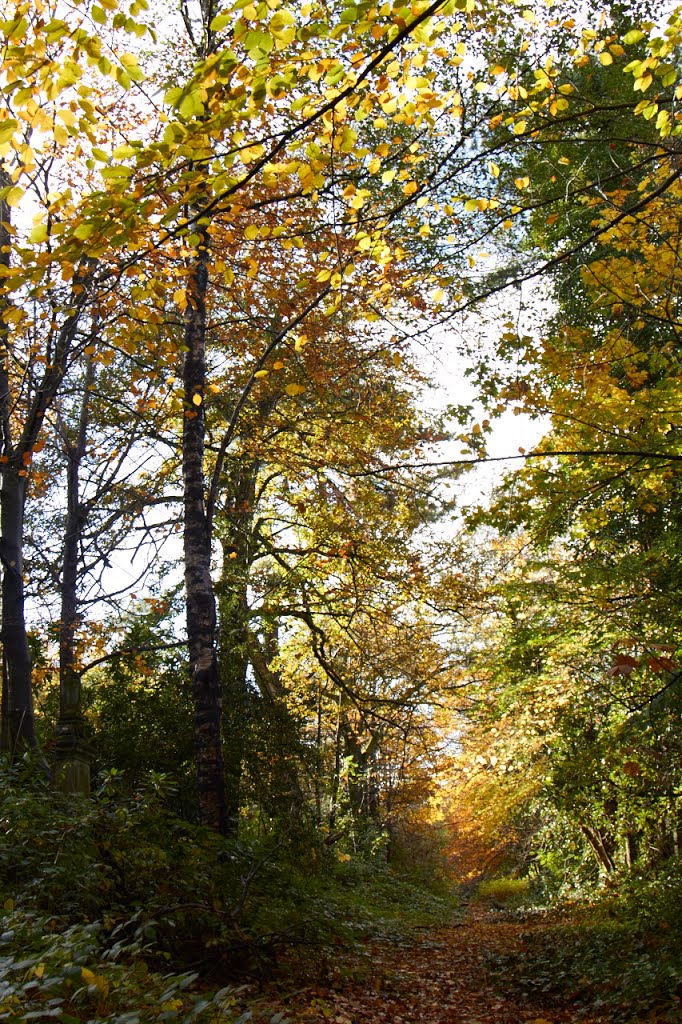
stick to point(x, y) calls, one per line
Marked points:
point(507, 891)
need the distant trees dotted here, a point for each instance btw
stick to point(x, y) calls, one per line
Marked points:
point(580, 672)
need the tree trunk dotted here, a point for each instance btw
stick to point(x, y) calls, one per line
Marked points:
point(631, 850)
point(599, 848)
point(19, 727)
point(336, 779)
point(236, 525)
point(201, 605)
point(234, 662)
point(73, 753)
point(283, 729)
point(18, 720)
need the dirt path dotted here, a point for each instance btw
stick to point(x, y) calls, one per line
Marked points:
point(441, 977)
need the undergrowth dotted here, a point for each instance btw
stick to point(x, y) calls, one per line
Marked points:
point(117, 910)
point(506, 892)
point(617, 954)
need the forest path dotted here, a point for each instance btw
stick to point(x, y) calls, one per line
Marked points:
point(442, 977)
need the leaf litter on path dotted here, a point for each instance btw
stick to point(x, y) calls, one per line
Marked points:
point(439, 977)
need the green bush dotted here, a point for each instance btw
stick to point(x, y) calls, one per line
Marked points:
point(620, 956)
point(508, 891)
point(78, 973)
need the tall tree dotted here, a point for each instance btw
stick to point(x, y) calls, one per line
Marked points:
point(582, 677)
point(41, 62)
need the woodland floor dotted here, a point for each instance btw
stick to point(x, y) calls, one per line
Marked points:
point(441, 976)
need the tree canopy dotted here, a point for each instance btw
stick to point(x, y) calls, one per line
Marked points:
point(247, 595)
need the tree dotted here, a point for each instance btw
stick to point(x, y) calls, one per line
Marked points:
point(228, 183)
point(46, 301)
point(590, 628)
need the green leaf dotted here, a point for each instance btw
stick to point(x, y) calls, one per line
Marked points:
point(14, 28)
point(258, 44)
point(7, 129)
point(55, 30)
point(281, 25)
point(220, 21)
point(38, 234)
point(116, 172)
point(191, 105)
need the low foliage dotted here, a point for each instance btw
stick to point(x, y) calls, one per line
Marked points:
point(505, 891)
point(115, 902)
point(619, 956)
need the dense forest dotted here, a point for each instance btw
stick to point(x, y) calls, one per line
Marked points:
point(298, 723)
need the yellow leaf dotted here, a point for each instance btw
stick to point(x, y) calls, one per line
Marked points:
point(84, 231)
point(261, 373)
point(38, 234)
point(294, 389)
point(348, 139)
point(220, 21)
point(180, 297)
point(196, 399)
point(251, 232)
point(251, 153)
point(522, 182)
point(281, 25)
point(605, 58)
point(519, 128)
point(494, 169)
point(14, 195)
point(7, 129)
point(388, 176)
point(410, 187)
